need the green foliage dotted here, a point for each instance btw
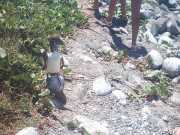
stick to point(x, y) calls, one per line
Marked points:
point(67, 71)
point(25, 26)
point(160, 85)
point(121, 55)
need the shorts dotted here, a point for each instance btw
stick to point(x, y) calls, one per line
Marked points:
point(55, 83)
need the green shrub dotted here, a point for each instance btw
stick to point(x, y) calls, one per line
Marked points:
point(25, 26)
point(160, 85)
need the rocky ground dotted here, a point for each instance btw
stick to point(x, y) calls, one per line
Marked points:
point(106, 96)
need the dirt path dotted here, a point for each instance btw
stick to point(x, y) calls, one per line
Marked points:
point(132, 117)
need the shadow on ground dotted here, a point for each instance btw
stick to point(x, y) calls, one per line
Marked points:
point(117, 44)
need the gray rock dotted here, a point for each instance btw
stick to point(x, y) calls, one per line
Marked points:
point(90, 127)
point(101, 86)
point(28, 131)
point(155, 59)
point(171, 66)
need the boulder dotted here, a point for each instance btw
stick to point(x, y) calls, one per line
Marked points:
point(101, 86)
point(155, 59)
point(171, 66)
point(90, 127)
point(28, 131)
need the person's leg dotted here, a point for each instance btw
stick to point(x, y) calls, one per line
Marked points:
point(135, 8)
point(112, 7)
point(96, 4)
point(123, 8)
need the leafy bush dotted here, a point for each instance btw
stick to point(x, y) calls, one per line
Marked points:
point(25, 26)
point(160, 85)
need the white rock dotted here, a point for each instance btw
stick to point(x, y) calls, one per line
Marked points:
point(120, 96)
point(101, 87)
point(155, 59)
point(172, 66)
point(90, 127)
point(28, 131)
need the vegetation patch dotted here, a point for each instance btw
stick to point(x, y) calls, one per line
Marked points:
point(25, 26)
